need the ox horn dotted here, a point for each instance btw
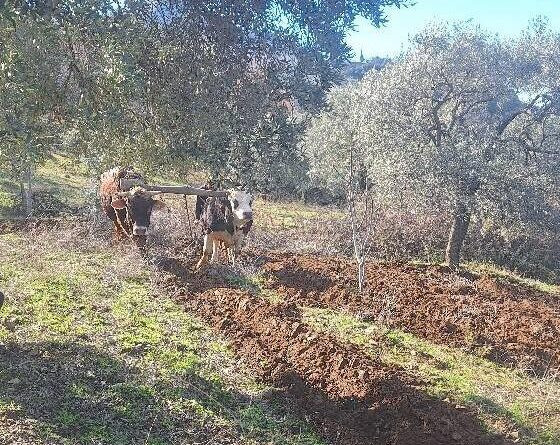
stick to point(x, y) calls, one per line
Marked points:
point(186, 190)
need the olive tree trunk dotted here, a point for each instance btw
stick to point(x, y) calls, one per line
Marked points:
point(457, 235)
point(26, 190)
point(461, 218)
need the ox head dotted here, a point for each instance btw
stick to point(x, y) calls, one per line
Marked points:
point(139, 204)
point(241, 204)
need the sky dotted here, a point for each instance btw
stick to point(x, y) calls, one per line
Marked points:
point(504, 17)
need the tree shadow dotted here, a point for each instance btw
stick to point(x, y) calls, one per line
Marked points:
point(319, 378)
point(393, 413)
point(79, 394)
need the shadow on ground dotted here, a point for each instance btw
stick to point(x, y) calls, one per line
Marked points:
point(351, 398)
point(67, 394)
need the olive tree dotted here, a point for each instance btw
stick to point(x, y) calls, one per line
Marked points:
point(223, 78)
point(66, 83)
point(30, 98)
point(167, 84)
point(462, 121)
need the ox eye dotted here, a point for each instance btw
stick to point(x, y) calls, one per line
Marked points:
point(235, 204)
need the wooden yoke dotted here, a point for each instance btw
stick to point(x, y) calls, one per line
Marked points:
point(127, 184)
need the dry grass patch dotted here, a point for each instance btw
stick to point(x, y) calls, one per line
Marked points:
point(92, 352)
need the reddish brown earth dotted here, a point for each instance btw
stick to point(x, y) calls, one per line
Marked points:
point(506, 322)
point(348, 396)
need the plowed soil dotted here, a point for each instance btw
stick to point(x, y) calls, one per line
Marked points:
point(508, 323)
point(348, 396)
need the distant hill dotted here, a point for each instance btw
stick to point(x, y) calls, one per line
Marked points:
point(354, 71)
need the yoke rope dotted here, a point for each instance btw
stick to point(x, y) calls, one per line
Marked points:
point(127, 220)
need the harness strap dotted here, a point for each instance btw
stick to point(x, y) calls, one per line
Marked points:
point(127, 220)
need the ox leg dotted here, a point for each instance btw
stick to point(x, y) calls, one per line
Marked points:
point(235, 248)
point(206, 252)
point(118, 233)
point(231, 255)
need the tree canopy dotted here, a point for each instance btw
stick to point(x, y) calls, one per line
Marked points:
point(463, 121)
point(168, 84)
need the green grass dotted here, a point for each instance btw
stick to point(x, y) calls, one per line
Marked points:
point(63, 171)
point(91, 352)
point(507, 401)
point(9, 196)
point(62, 180)
point(500, 273)
point(291, 215)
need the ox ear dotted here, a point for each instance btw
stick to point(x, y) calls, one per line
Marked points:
point(119, 204)
point(159, 205)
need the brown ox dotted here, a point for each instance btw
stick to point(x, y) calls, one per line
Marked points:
point(130, 210)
